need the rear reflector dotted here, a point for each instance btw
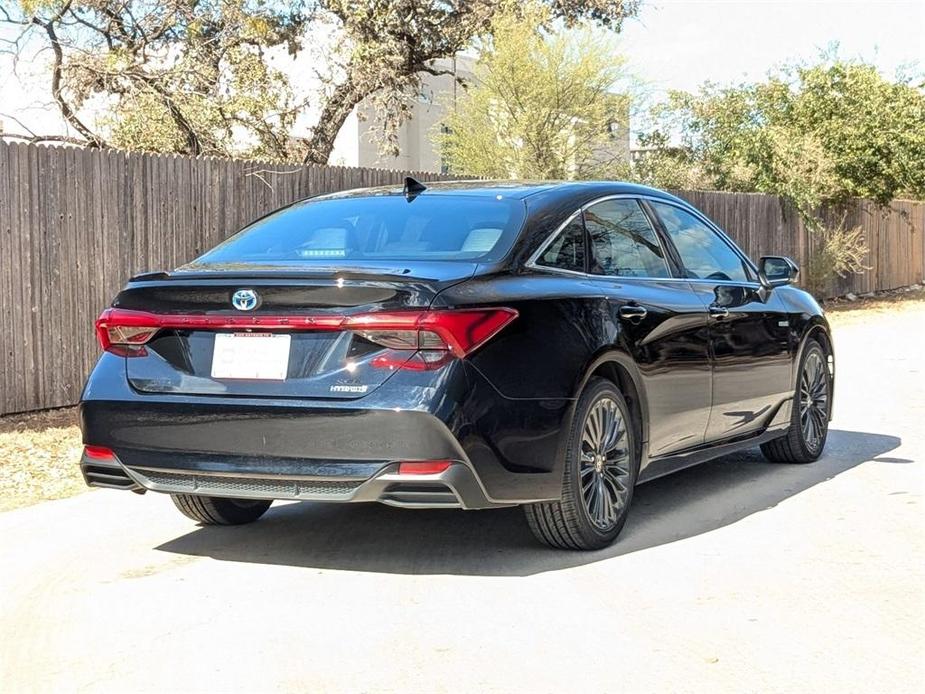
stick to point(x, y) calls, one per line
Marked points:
point(99, 453)
point(424, 467)
point(459, 331)
point(425, 360)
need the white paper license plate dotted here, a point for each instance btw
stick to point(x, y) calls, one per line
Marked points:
point(262, 356)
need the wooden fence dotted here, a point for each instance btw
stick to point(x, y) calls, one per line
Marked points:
point(766, 225)
point(75, 224)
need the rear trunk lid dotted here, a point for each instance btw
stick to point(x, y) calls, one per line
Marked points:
point(207, 346)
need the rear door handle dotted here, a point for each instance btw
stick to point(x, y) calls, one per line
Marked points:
point(633, 313)
point(718, 312)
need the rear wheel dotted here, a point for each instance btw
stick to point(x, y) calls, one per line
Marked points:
point(809, 422)
point(601, 465)
point(212, 510)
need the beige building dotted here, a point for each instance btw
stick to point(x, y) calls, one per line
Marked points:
point(356, 143)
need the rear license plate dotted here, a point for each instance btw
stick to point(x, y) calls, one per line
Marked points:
point(263, 356)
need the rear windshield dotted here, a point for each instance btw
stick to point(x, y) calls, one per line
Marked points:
point(389, 227)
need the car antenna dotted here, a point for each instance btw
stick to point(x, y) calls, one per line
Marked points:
point(413, 188)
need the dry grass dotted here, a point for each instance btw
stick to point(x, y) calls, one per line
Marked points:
point(39, 455)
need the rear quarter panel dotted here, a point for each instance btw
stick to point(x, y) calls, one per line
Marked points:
point(523, 380)
point(562, 323)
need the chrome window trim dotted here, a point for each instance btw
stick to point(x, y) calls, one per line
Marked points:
point(561, 271)
point(534, 257)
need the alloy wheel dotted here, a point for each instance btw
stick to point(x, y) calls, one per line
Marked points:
point(604, 466)
point(814, 401)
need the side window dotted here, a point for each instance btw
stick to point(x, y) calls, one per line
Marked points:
point(704, 254)
point(567, 251)
point(623, 243)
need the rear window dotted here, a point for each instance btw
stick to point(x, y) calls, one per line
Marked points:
point(437, 227)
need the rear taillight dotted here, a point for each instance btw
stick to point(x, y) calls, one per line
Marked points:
point(424, 360)
point(117, 329)
point(458, 331)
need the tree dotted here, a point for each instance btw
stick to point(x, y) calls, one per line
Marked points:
point(815, 134)
point(388, 44)
point(812, 133)
point(192, 76)
point(175, 75)
point(658, 162)
point(542, 106)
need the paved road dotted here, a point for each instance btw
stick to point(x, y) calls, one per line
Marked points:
point(735, 576)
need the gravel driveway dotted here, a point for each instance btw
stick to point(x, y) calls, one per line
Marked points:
point(734, 576)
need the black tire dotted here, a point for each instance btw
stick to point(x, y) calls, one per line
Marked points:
point(798, 446)
point(213, 510)
point(570, 523)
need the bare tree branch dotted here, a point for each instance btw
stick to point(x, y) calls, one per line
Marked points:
point(18, 122)
point(36, 139)
point(56, 88)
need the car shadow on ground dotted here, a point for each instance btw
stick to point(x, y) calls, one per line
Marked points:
point(377, 538)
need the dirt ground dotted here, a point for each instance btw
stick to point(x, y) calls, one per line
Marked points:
point(843, 312)
point(39, 451)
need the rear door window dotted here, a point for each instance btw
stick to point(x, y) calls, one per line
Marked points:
point(377, 227)
point(623, 243)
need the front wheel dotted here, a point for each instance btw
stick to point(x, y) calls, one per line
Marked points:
point(809, 421)
point(213, 510)
point(601, 466)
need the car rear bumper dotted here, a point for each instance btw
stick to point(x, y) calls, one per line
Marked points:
point(278, 453)
point(456, 487)
point(289, 447)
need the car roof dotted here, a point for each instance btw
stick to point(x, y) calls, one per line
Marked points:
point(510, 189)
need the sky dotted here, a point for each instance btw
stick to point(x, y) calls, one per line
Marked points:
point(673, 44)
point(679, 44)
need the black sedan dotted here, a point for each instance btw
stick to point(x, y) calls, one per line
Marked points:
point(457, 345)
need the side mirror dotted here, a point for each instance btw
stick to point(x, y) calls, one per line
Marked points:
point(776, 271)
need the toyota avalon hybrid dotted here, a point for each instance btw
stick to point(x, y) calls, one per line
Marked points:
point(456, 345)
